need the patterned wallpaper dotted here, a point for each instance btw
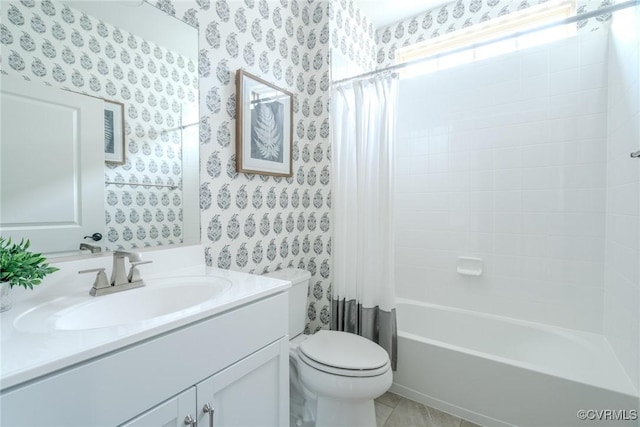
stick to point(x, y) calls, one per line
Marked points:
point(352, 35)
point(62, 47)
point(457, 15)
point(257, 223)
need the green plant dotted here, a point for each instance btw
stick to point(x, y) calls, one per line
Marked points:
point(20, 267)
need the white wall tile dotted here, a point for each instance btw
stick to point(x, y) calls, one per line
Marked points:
point(523, 186)
point(564, 54)
point(622, 257)
point(593, 47)
point(593, 101)
point(535, 62)
point(592, 150)
point(507, 158)
point(593, 76)
point(565, 81)
point(507, 179)
point(542, 178)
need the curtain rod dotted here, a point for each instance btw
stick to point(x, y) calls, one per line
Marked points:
point(570, 20)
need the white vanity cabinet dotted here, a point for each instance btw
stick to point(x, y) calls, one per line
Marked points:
point(236, 361)
point(175, 412)
point(253, 392)
point(250, 393)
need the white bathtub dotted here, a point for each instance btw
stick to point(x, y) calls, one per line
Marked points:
point(498, 371)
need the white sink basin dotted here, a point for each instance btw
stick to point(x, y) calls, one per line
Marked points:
point(161, 298)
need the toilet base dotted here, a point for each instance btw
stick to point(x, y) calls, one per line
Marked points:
point(302, 409)
point(345, 413)
point(299, 422)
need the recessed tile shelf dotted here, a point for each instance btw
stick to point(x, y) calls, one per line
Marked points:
point(470, 266)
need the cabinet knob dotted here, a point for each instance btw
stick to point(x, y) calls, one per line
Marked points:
point(189, 421)
point(208, 409)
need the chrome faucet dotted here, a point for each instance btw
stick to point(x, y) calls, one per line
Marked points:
point(93, 248)
point(118, 274)
point(120, 280)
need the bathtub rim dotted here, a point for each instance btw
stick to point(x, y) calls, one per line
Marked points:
point(566, 333)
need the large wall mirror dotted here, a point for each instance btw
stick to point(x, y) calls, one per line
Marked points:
point(99, 126)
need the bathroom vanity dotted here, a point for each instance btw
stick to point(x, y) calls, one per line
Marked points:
point(172, 363)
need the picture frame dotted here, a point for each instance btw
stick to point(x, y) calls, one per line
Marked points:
point(264, 127)
point(113, 132)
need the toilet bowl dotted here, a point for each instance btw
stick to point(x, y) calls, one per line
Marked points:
point(334, 376)
point(341, 374)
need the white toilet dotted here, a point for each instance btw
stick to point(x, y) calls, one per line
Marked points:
point(334, 376)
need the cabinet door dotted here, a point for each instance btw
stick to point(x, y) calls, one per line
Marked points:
point(172, 413)
point(251, 392)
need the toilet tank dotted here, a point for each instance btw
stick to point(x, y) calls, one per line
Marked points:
point(297, 297)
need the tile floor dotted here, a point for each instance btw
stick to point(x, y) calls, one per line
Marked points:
point(396, 411)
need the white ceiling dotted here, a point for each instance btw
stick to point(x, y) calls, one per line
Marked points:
point(385, 12)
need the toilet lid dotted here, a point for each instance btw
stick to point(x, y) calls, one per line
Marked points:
point(344, 351)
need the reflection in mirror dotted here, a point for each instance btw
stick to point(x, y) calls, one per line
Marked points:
point(52, 164)
point(127, 52)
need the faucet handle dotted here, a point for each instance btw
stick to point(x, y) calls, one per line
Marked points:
point(134, 273)
point(100, 282)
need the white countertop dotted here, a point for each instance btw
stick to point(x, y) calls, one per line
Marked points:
point(26, 355)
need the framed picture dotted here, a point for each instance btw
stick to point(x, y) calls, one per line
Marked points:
point(113, 132)
point(264, 127)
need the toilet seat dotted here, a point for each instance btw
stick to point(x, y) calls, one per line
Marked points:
point(343, 372)
point(344, 354)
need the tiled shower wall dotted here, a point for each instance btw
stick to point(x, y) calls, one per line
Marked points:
point(52, 43)
point(622, 266)
point(257, 223)
point(505, 159)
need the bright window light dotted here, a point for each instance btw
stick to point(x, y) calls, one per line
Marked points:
point(499, 28)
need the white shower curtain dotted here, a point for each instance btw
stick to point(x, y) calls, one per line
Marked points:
point(363, 299)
